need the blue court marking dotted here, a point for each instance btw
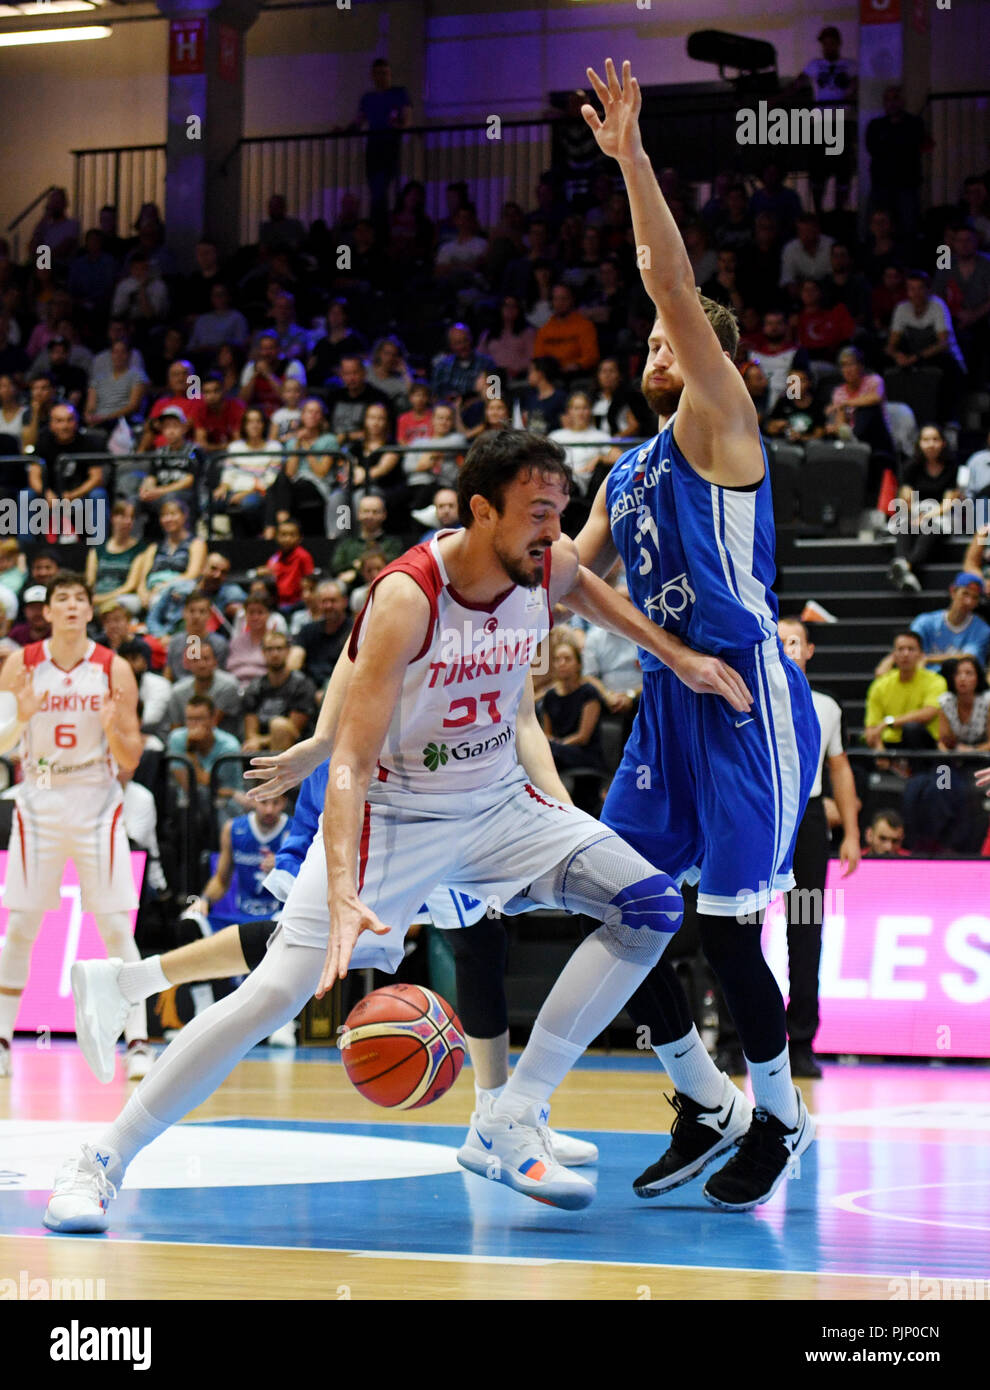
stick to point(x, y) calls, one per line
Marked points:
point(451, 1214)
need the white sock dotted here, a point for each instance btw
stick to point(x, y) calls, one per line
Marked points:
point(491, 1094)
point(9, 1005)
point(140, 979)
point(690, 1068)
point(208, 1048)
point(773, 1088)
point(539, 1071)
point(592, 988)
point(131, 1131)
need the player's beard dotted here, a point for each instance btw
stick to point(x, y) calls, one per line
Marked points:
point(514, 568)
point(662, 400)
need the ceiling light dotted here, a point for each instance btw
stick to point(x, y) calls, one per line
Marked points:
point(85, 31)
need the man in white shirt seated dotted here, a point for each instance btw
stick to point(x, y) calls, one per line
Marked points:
point(583, 443)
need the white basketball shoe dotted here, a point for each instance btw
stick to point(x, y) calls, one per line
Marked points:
point(101, 1011)
point(519, 1154)
point(567, 1150)
point(84, 1189)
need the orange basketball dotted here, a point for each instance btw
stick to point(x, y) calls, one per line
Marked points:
point(403, 1047)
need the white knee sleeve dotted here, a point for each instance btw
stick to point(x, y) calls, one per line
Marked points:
point(115, 928)
point(15, 958)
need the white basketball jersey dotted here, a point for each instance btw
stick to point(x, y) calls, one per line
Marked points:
point(454, 726)
point(64, 744)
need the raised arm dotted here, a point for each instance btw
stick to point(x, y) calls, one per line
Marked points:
point(717, 427)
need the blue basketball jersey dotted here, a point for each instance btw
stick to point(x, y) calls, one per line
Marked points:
point(248, 846)
point(699, 559)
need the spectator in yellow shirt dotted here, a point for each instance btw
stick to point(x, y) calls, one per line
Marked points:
point(568, 335)
point(902, 706)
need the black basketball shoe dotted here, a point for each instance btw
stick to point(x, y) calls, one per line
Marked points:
point(697, 1138)
point(761, 1163)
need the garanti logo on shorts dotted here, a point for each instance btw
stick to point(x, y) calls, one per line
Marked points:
point(438, 755)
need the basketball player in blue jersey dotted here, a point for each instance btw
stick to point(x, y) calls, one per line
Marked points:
point(248, 846)
point(712, 794)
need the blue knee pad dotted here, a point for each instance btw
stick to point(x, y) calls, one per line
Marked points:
point(654, 903)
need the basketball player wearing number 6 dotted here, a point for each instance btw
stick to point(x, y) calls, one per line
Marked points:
point(424, 788)
point(74, 705)
point(691, 517)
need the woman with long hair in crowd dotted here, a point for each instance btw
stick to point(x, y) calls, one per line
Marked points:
point(509, 340)
point(928, 490)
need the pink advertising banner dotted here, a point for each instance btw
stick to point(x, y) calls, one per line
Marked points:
point(66, 935)
point(905, 967)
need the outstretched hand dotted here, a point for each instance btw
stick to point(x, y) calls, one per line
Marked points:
point(618, 133)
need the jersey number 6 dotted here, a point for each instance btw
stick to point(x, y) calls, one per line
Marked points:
point(65, 735)
point(468, 704)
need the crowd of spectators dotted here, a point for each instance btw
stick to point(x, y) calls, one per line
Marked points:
point(321, 388)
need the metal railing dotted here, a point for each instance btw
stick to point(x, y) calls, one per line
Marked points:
point(13, 227)
point(313, 169)
point(123, 176)
point(959, 122)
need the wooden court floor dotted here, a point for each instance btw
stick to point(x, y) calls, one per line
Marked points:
point(286, 1184)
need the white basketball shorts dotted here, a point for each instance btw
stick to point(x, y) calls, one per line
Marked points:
point(490, 843)
point(84, 824)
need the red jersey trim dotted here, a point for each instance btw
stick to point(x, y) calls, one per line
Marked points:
point(481, 607)
point(34, 654)
point(103, 657)
point(420, 565)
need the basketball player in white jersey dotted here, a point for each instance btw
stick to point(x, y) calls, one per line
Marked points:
point(424, 788)
point(76, 719)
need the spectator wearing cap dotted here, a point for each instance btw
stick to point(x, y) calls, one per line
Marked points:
point(154, 691)
point(34, 627)
point(180, 374)
point(956, 630)
point(172, 469)
point(114, 395)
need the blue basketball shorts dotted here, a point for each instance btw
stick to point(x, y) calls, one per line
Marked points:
point(714, 797)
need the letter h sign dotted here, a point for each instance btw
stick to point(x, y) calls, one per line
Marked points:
point(186, 47)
